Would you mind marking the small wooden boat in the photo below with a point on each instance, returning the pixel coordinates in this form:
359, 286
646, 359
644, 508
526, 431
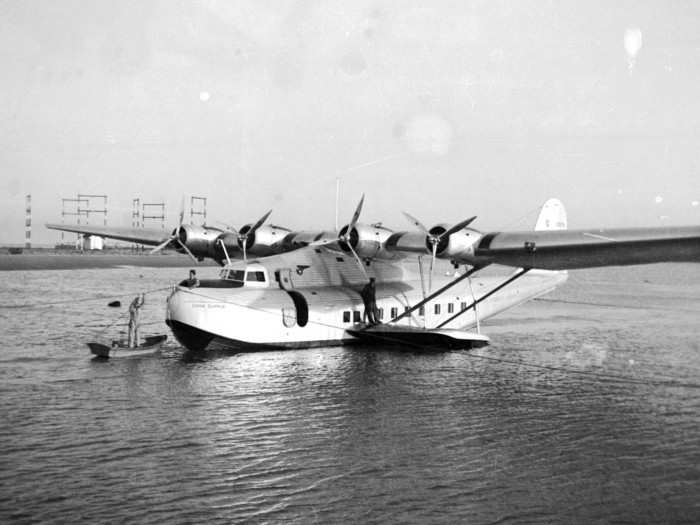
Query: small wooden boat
151, 345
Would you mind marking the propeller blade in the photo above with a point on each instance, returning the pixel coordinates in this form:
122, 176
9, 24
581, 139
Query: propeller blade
359, 261
257, 225
161, 245
187, 250
416, 222
182, 212
457, 227
430, 274
356, 215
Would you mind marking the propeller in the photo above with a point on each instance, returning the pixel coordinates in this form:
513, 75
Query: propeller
176, 236
345, 237
245, 235
434, 239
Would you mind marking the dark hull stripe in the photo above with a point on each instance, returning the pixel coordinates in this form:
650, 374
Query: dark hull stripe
196, 339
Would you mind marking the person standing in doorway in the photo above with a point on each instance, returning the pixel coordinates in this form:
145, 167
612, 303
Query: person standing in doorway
369, 297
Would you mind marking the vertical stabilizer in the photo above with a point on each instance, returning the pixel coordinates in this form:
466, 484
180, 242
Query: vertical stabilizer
552, 216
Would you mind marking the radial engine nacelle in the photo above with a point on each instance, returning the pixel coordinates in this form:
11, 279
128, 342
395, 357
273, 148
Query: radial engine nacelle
198, 239
459, 246
368, 241
230, 247
264, 241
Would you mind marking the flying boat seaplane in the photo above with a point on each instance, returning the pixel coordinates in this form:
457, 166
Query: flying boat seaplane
430, 288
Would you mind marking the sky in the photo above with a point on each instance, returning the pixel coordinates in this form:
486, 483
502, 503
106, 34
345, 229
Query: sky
443, 109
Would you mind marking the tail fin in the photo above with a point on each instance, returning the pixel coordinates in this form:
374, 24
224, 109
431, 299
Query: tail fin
552, 216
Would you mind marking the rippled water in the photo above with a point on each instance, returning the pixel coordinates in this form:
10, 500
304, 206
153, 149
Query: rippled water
508, 433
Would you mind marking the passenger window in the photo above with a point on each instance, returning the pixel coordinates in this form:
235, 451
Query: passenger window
450, 308
346, 316
356, 317
437, 309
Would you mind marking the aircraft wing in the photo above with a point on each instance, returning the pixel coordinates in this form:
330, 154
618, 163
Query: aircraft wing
571, 249
149, 236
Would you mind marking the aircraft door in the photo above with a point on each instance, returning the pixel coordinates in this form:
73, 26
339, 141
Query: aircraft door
300, 314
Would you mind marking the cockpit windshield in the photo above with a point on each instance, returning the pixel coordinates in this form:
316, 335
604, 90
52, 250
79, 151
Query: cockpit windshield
238, 278
236, 275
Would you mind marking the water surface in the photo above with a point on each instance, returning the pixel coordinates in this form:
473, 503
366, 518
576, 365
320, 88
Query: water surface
509, 433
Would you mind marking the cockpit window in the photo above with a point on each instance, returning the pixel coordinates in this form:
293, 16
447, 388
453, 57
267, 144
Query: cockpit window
235, 275
238, 277
256, 277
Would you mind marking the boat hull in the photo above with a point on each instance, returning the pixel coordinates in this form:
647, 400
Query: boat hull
150, 346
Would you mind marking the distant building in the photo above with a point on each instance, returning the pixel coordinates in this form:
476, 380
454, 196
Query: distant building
95, 243
90, 242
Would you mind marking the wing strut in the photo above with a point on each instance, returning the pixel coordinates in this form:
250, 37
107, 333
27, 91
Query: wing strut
519, 274
223, 247
438, 292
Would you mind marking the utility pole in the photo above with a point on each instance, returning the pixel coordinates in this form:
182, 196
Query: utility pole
88, 209
200, 209
28, 223
71, 204
157, 214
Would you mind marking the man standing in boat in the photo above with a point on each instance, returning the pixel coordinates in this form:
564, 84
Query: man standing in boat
134, 313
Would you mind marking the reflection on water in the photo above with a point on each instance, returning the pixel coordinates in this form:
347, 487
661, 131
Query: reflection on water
355, 434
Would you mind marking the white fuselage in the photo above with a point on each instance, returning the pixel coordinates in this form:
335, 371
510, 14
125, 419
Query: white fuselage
311, 297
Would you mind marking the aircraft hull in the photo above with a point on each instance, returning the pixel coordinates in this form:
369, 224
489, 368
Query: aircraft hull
240, 319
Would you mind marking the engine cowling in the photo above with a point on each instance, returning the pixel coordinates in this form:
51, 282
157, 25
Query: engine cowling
459, 246
198, 239
230, 241
367, 241
263, 241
